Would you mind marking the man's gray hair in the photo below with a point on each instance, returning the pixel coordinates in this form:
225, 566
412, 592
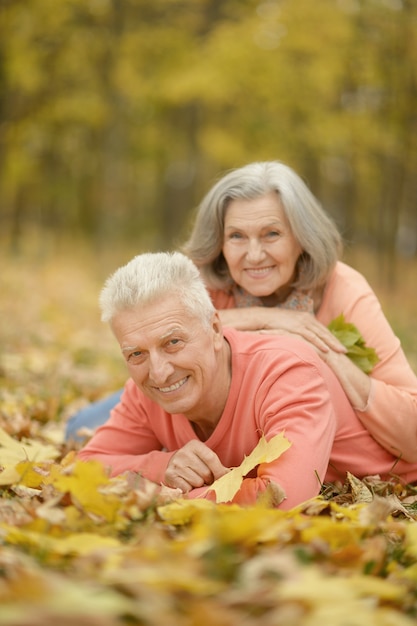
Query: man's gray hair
151, 276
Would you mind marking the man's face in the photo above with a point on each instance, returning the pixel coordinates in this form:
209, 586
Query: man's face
170, 355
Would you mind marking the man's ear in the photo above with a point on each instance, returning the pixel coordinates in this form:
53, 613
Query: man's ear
217, 328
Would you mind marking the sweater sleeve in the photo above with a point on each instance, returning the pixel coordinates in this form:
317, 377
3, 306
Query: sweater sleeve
391, 413
126, 442
300, 403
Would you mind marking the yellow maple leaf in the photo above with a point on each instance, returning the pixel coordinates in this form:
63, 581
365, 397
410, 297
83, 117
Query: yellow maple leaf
182, 512
411, 540
330, 531
73, 544
83, 481
265, 451
13, 452
32, 474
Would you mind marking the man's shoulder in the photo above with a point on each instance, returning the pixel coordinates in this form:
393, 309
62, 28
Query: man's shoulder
261, 345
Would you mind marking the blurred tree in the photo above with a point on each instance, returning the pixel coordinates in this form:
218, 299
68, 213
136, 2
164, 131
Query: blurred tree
380, 100
117, 115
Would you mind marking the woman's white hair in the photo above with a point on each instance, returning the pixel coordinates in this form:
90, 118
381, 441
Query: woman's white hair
152, 276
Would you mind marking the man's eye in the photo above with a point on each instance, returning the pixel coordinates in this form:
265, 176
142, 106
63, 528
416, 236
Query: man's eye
174, 343
135, 356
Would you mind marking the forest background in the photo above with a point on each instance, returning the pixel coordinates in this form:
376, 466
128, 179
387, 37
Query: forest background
116, 116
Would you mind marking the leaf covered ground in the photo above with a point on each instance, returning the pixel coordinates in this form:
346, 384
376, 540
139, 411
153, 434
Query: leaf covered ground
79, 548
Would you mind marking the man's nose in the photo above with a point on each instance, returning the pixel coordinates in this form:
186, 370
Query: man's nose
255, 250
159, 368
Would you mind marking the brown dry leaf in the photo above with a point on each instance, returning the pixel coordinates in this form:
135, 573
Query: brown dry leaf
380, 508
51, 512
360, 492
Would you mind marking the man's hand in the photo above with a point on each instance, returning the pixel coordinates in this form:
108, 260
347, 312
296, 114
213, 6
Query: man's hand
194, 465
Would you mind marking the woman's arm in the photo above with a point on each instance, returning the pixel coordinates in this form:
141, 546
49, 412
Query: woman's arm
386, 403
273, 320
356, 384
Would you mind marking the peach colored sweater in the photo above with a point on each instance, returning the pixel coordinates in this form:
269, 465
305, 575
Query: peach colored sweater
391, 413
278, 384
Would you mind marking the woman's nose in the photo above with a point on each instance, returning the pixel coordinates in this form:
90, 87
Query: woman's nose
255, 250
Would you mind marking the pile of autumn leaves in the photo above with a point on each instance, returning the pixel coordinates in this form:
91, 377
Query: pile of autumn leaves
80, 548
77, 545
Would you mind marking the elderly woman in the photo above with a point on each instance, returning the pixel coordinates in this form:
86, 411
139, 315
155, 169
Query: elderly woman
269, 256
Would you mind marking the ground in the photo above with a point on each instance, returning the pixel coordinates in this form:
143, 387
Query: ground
78, 548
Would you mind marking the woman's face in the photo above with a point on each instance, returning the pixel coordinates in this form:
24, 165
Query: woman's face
259, 247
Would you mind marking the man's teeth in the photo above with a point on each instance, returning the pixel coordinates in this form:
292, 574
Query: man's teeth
174, 386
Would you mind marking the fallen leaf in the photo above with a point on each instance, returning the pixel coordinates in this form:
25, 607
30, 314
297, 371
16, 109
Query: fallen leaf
84, 483
360, 492
13, 451
265, 451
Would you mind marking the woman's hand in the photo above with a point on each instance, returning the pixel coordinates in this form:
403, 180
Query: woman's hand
276, 321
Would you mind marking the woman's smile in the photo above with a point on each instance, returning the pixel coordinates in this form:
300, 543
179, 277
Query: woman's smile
259, 272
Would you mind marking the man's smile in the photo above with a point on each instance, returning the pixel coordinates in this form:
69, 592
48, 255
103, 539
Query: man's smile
174, 386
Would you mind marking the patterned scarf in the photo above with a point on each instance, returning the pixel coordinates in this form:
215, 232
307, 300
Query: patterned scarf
297, 300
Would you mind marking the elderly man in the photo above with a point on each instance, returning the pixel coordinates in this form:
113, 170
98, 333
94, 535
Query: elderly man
199, 398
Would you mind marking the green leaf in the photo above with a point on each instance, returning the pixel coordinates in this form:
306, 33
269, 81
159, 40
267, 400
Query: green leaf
362, 355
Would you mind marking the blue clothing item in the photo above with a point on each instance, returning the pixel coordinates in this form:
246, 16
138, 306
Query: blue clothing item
91, 416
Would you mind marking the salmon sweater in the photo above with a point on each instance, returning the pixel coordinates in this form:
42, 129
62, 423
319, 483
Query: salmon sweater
279, 384
391, 413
